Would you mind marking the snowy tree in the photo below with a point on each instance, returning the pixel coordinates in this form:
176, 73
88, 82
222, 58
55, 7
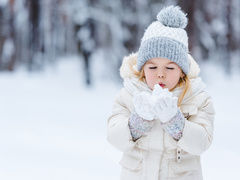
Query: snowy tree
213, 30
34, 33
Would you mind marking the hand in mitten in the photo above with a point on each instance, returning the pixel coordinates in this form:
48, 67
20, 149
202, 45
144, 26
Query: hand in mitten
165, 105
170, 115
143, 105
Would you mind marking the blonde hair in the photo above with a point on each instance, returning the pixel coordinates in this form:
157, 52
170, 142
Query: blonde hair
183, 82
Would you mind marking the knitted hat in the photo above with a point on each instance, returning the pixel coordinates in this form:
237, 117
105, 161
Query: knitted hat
166, 38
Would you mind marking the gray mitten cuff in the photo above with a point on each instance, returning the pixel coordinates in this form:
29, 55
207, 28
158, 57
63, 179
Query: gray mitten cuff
175, 126
138, 126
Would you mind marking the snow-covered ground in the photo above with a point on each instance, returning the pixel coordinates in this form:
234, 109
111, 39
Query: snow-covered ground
54, 128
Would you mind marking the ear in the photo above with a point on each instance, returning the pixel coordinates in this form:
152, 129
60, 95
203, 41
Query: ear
183, 75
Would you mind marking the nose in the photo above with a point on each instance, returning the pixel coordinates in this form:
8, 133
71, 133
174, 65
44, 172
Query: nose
161, 75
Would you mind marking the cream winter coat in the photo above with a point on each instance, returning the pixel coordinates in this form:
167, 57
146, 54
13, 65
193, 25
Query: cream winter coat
156, 155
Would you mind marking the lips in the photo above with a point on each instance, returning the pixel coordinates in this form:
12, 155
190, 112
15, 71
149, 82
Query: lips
161, 84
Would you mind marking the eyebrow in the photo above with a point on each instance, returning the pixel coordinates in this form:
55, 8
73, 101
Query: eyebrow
155, 63
150, 62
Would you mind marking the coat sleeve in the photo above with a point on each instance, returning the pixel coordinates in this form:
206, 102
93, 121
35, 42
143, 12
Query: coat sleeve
198, 131
118, 133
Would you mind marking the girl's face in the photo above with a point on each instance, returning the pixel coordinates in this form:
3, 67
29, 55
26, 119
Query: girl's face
162, 71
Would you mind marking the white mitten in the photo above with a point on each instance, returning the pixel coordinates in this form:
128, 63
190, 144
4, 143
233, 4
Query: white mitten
143, 105
165, 105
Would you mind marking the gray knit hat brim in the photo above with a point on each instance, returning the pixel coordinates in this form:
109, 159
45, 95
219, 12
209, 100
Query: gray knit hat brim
162, 47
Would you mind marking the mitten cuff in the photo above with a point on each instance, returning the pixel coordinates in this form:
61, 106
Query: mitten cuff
138, 126
175, 126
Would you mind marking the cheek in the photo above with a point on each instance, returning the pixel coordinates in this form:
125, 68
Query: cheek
175, 77
149, 77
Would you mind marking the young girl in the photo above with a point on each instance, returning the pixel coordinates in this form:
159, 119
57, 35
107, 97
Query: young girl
162, 119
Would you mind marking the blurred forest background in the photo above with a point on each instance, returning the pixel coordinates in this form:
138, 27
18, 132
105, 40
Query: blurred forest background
35, 33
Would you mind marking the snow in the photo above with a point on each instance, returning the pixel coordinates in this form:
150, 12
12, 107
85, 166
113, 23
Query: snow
53, 127
222, 160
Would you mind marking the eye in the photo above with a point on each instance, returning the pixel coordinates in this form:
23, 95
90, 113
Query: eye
171, 68
152, 67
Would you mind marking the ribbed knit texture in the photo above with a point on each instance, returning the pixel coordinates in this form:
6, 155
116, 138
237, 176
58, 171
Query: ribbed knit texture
166, 38
164, 48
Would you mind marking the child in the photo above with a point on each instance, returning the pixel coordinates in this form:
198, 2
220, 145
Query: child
162, 119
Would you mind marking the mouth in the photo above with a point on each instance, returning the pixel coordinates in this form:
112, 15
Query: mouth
161, 84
